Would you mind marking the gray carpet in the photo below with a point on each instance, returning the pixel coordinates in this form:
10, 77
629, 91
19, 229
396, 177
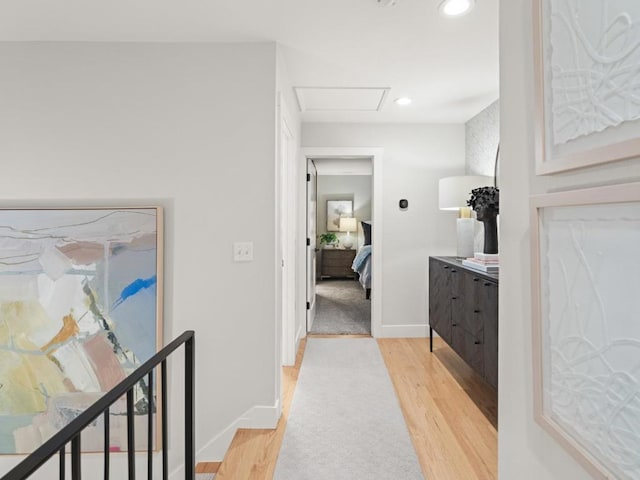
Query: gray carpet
345, 421
341, 308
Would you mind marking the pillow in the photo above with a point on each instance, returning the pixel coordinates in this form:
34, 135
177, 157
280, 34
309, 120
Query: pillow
366, 229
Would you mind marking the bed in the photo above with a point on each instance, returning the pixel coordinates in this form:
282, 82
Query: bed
362, 263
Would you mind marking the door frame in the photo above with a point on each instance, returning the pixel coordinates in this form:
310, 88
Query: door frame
311, 244
376, 156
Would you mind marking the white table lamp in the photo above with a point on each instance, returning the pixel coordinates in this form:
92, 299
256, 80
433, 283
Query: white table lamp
348, 224
453, 193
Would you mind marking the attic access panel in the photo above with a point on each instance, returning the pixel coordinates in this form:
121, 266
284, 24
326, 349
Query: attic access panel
356, 99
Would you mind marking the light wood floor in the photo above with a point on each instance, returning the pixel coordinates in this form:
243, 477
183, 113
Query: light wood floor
454, 436
450, 412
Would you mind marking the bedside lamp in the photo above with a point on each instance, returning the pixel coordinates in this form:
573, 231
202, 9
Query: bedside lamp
453, 193
348, 224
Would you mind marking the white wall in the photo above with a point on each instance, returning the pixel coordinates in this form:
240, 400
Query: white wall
356, 188
415, 157
187, 126
525, 450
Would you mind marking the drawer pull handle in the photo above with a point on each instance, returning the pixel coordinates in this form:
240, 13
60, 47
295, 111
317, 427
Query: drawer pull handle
445, 267
476, 311
453, 270
454, 298
487, 284
476, 279
454, 324
477, 342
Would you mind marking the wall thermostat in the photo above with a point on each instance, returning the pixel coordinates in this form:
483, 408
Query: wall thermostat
404, 204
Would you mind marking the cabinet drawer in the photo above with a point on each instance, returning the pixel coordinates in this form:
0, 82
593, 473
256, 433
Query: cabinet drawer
470, 348
489, 307
337, 261
335, 255
472, 323
440, 298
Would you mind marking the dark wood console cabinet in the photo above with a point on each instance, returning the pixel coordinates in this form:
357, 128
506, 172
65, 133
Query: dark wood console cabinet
463, 310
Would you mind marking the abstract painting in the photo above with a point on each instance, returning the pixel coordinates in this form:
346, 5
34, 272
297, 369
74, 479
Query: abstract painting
80, 309
335, 210
587, 334
588, 82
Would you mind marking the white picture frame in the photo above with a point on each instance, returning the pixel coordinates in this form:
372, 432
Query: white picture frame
586, 80
335, 210
586, 337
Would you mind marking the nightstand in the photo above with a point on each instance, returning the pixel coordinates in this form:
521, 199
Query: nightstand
337, 263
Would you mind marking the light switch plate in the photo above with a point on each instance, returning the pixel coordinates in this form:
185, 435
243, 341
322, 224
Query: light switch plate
243, 252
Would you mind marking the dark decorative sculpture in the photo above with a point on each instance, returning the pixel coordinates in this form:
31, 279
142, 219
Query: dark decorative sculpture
486, 203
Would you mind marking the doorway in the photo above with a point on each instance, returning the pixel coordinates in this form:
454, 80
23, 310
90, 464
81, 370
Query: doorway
373, 158
343, 257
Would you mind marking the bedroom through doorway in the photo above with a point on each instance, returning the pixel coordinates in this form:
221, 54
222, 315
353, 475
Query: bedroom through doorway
343, 227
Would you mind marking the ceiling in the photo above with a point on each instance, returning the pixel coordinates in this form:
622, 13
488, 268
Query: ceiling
448, 67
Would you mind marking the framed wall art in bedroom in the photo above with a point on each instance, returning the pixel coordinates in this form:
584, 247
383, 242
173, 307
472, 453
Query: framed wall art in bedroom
335, 210
80, 309
587, 82
586, 334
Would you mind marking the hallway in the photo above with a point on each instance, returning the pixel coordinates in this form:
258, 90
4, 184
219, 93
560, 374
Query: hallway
342, 309
450, 412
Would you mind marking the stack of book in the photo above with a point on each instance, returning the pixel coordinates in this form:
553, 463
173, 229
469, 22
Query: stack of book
483, 262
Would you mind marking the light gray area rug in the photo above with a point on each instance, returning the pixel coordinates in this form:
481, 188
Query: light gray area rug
345, 420
341, 308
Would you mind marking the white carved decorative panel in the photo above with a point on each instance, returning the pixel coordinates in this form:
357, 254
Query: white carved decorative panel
595, 66
587, 297
588, 82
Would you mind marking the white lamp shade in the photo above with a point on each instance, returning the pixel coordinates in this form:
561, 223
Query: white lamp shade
453, 192
348, 224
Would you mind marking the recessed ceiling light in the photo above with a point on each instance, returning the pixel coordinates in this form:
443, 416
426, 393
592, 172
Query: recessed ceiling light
403, 101
456, 8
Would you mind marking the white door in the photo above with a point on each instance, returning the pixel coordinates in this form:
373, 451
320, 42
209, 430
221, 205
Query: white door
312, 202
287, 214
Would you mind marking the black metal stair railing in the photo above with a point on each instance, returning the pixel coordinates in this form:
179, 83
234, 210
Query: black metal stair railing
71, 433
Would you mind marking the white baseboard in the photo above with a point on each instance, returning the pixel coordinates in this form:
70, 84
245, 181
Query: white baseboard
404, 331
300, 335
259, 417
